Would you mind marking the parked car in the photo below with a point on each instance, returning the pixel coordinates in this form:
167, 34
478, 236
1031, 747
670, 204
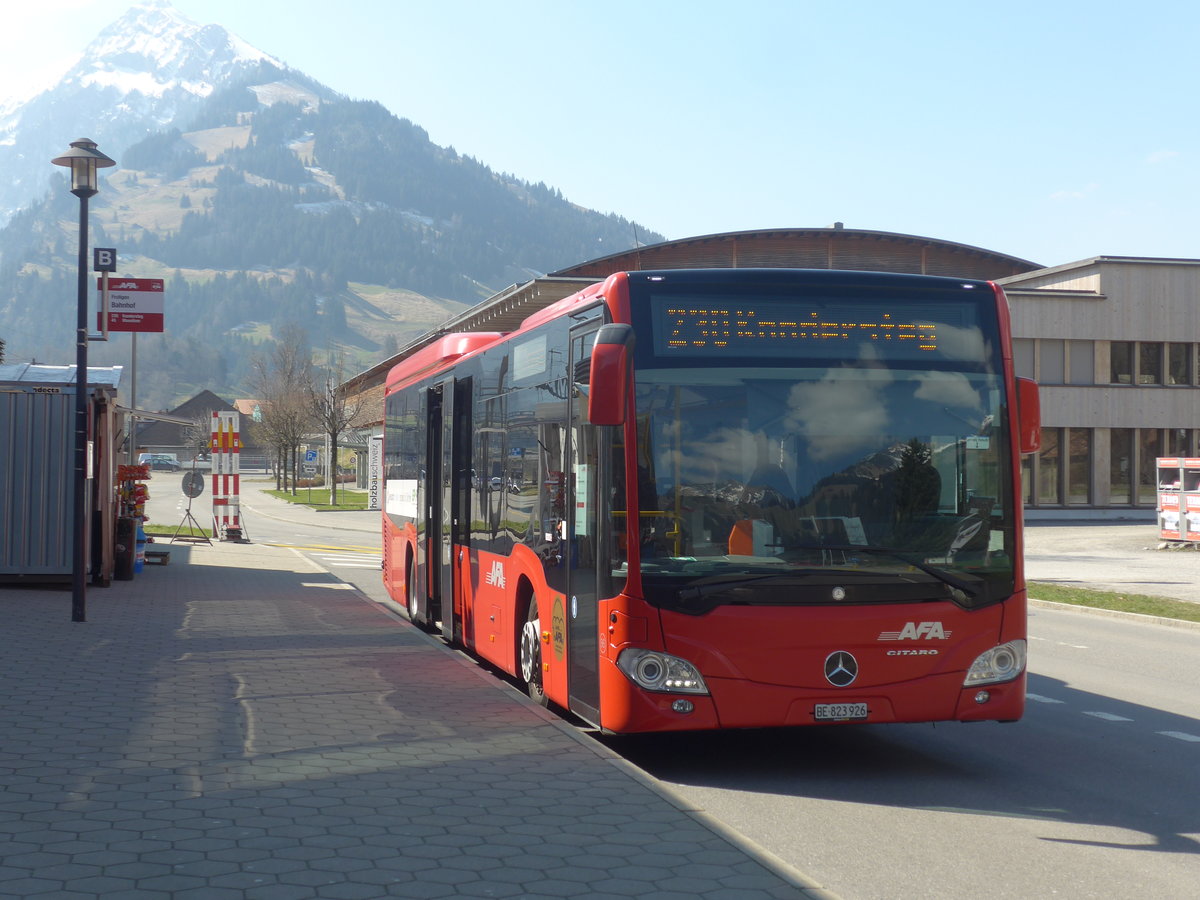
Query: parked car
159, 462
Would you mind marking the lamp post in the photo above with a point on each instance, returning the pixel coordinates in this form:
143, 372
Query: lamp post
83, 159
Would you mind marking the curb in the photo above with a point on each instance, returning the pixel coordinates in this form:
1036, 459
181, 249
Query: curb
1116, 614
258, 511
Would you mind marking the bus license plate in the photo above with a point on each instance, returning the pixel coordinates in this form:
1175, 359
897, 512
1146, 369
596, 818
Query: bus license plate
839, 712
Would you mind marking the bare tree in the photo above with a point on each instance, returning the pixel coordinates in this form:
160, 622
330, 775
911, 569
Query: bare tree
197, 435
334, 412
283, 381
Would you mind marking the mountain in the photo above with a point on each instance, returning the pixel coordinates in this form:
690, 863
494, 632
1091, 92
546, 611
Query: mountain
262, 200
151, 68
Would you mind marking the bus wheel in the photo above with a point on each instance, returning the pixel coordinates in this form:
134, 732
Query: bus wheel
410, 597
531, 656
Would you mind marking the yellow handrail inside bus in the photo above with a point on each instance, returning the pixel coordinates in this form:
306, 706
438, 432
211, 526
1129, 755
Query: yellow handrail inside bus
675, 535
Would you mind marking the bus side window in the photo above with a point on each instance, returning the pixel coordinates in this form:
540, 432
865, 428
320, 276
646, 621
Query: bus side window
553, 512
619, 520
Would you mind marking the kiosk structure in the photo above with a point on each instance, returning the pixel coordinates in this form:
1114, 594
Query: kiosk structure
1178, 498
37, 503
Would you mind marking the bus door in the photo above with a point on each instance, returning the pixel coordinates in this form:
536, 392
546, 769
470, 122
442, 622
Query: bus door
448, 494
456, 504
583, 523
429, 528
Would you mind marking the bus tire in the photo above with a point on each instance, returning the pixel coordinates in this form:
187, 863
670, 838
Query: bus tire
530, 656
410, 597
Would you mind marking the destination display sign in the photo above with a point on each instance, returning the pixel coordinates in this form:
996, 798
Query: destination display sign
795, 328
134, 304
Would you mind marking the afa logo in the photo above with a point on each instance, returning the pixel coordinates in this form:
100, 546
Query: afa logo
495, 576
916, 631
558, 628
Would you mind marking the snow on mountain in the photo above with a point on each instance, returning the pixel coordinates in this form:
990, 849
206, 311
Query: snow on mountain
286, 92
147, 70
154, 50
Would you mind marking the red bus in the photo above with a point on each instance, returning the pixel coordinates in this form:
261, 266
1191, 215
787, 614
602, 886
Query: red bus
704, 499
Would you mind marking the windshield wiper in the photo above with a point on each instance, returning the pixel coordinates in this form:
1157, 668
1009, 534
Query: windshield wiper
705, 588
963, 587
719, 584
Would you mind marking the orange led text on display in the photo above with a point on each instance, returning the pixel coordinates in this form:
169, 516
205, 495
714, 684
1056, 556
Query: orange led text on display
696, 327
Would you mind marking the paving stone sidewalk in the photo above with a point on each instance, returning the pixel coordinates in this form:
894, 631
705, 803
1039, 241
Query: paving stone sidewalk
239, 724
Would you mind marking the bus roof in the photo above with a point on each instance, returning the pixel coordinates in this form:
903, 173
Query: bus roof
779, 275
442, 351
556, 309
772, 275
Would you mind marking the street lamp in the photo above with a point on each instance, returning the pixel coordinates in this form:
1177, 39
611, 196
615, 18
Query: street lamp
83, 159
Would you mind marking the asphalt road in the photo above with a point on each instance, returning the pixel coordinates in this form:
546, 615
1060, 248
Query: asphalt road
1111, 556
1091, 795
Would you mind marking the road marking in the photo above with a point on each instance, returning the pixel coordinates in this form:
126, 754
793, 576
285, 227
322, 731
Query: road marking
352, 562
1112, 717
1059, 643
326, 547
1180, 736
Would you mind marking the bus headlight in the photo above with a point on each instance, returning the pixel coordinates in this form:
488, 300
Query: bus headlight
656, 671
1002, 663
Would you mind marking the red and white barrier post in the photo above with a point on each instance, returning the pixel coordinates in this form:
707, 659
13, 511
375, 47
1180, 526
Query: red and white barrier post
226, 451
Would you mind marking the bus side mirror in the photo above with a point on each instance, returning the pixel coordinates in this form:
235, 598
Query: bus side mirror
1029, 415
609, 377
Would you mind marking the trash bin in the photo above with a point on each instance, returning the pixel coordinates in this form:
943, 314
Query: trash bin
125, 549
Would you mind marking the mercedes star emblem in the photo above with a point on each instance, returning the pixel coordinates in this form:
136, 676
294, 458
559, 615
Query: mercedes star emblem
840, 668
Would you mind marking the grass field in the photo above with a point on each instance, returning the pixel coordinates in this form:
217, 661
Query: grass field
1134, 603
318, 498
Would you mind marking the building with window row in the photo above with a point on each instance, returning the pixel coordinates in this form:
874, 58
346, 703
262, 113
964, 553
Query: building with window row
1114, 342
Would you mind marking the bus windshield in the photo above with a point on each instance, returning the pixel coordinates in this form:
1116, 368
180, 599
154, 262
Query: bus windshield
869, 480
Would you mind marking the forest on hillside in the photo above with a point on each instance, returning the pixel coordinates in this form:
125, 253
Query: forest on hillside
288, 222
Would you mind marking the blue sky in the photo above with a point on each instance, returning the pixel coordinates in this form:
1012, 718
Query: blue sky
1051, 131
